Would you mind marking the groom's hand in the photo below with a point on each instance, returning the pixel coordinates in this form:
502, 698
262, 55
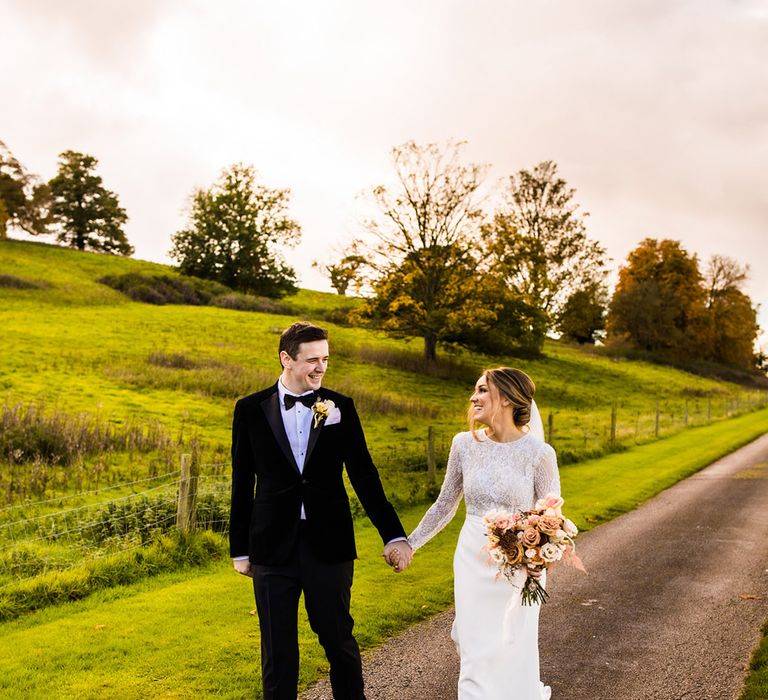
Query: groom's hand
242, 566
398, 555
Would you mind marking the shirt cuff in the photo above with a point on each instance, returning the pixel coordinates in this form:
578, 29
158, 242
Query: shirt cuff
240, 558
398, 539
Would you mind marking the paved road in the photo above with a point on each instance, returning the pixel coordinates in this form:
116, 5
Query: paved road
671, 609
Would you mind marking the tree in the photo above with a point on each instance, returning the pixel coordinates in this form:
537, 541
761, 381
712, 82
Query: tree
234, 231
723, 273
659, 301
582, 317
88, 216
731, 326
348, 270
423, 274
537, 241
24, 200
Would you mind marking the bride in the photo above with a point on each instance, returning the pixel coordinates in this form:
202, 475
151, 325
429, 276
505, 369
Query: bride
504, 466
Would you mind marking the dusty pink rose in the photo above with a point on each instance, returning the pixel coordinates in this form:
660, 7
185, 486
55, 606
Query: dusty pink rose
533, 519
502, 523
550, 501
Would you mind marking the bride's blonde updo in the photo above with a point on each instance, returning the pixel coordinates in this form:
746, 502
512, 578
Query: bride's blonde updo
515, 386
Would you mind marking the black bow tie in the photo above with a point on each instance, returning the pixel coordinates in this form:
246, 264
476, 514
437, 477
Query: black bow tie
290, 400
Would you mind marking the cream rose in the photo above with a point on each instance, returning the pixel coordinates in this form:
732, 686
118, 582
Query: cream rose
551, 552
570, 529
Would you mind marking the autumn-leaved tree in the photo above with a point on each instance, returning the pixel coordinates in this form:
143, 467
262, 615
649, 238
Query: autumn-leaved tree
538, 244
659, 301
346, 268
423, 274
235, 231
731, 320
88, 216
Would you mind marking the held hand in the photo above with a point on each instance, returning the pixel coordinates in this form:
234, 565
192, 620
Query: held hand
398, 555
242, 566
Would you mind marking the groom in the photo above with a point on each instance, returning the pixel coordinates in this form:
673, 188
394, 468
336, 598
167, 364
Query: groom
294, 532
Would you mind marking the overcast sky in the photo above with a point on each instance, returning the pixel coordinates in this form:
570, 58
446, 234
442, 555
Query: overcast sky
656, 112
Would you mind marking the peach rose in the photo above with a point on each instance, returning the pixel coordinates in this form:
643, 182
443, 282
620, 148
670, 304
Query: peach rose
514, 553
531, 536
550, 524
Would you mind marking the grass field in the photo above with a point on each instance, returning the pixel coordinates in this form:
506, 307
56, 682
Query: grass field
184, 635
82, 361
76, 346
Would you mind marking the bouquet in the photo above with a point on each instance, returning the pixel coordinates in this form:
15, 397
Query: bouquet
533, 539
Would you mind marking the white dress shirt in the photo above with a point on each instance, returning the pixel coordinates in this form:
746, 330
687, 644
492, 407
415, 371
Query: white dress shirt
298, 424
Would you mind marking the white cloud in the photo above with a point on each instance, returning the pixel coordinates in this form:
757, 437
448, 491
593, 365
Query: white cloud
656, 111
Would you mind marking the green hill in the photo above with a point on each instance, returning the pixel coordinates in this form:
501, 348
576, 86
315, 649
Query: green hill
100, 390
74, 346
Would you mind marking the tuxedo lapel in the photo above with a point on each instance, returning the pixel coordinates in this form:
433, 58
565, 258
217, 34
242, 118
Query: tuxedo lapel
271, 407
314, 434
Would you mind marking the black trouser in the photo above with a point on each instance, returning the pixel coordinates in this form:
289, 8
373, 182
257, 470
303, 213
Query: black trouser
327, 589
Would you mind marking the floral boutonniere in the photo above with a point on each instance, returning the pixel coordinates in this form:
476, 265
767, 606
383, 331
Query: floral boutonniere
321, 410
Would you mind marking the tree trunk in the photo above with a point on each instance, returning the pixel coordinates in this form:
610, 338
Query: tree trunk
430, 347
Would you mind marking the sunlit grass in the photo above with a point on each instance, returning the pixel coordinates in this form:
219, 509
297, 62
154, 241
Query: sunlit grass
183, 636
82, 347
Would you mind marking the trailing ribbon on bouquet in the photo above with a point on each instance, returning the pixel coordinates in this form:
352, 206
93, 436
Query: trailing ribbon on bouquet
514, 607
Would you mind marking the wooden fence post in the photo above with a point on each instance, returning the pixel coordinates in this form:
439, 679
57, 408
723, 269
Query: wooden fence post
550, 427
614, 411
709, 409
186, 508
431, 467
686, 411
656, 432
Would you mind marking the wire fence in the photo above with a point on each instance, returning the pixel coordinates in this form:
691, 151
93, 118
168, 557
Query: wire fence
40, 537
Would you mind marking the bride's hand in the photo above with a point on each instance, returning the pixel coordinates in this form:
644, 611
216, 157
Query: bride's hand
398, 555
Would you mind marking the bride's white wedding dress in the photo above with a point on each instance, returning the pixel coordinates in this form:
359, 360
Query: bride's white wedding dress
497, 662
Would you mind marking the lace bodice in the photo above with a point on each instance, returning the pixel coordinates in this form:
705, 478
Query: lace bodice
491, 476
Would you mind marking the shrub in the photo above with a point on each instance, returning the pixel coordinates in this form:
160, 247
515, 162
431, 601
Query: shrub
165, 289
12, 282
248, 302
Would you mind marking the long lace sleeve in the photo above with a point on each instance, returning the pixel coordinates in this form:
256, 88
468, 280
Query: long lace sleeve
546, 477
441, 512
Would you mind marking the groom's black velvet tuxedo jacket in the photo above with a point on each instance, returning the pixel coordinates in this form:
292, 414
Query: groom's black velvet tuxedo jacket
264, 524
